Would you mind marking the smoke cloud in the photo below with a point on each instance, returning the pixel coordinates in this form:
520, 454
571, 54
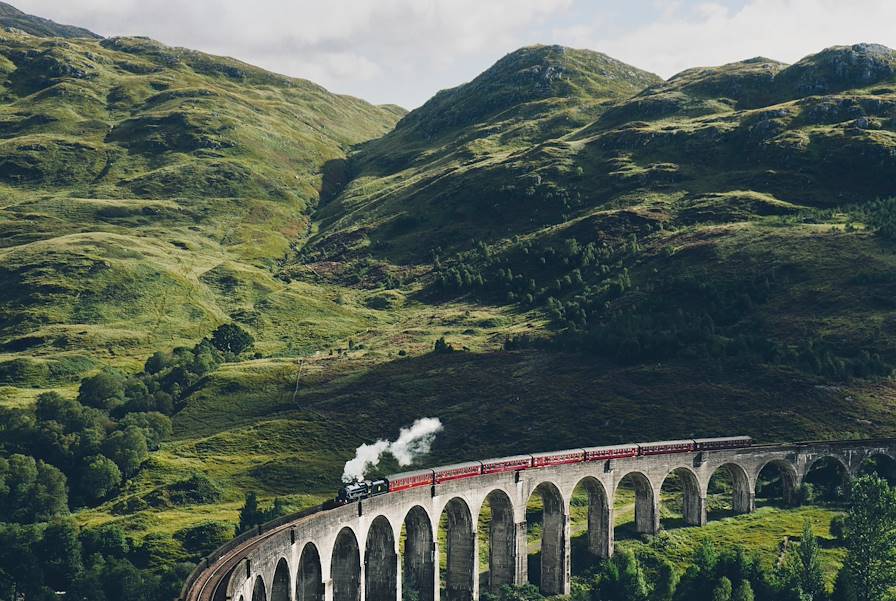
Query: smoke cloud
412, 442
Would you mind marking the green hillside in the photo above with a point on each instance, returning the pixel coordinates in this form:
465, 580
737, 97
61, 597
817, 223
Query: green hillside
728, 212
609, 255
148, 194
440, 178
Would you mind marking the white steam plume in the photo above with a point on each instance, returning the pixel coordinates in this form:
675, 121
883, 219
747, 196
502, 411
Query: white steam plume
410, 444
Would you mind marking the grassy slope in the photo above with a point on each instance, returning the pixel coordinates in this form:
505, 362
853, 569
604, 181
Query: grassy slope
195, 176
148, 193
417, 187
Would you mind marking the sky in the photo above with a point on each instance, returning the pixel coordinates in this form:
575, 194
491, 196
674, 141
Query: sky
404, 51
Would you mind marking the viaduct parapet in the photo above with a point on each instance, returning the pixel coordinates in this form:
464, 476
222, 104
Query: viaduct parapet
356, 552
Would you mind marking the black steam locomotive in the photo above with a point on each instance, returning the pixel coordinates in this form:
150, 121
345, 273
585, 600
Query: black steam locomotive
355, 491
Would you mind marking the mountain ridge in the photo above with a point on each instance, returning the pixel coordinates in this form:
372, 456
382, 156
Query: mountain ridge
739, 87
10, 16
528, 74
528, 97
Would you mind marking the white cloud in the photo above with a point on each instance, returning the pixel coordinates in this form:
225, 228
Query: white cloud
383, 50
712, 34
403, 51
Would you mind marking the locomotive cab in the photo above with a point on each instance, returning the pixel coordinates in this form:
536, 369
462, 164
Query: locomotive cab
356, 491
352, 492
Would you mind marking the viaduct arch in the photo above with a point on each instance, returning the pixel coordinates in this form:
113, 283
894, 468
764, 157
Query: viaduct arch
354, 552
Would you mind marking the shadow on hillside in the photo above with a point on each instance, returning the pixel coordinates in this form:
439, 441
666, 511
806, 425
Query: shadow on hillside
335, 176
504, 402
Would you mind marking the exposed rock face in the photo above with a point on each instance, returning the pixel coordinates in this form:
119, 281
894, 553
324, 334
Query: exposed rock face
528, 75
838, 68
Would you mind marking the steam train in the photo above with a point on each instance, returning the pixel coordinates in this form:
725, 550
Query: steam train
356, 491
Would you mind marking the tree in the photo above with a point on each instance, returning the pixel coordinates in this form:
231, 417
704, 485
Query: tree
802, 573
722, 592
525, 592
205, 358
155, 426
442, 346
156, 363
121, 580
52, 406
100, 477
743, 591
205, 537
127, 448
60, 554
105, 540
249, 514
31, 490
277, 509
20, 570
49, 497
230, 338
838, 527
622, 579
701, 577
666, 581
843, 588
103, 391
871, 538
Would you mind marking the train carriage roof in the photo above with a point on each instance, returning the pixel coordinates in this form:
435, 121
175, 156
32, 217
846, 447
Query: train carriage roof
722, 439
506, 459
457, 466
553, 453
612, 447
412, 474
661, 443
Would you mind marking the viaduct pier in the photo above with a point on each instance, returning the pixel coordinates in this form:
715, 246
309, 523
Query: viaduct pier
353, 552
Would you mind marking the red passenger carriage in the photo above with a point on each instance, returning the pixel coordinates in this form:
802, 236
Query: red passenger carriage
666, 446
506, 464
407, 480
558, 458
612, 452
731, 442
446, 473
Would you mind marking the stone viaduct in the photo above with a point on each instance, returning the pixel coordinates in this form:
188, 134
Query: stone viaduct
356, 552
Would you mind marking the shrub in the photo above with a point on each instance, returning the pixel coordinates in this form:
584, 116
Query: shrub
100, 477
205, 537
195, 490
838, 527
230, 338
442, 346
127, 448
103, 391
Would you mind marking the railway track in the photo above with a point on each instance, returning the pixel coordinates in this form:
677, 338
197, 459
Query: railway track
203, 583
